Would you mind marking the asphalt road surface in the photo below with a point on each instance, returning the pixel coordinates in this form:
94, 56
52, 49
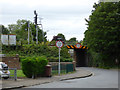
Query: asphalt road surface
101, 78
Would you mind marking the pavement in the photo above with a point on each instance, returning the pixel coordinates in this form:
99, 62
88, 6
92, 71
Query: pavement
26, 82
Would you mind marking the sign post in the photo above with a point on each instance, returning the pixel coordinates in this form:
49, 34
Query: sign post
59, 44
59, 63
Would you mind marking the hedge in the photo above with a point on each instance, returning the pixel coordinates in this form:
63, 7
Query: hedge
34, 50
56, 59
34, 66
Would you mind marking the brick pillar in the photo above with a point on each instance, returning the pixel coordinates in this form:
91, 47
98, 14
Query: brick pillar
74, 56
74, 65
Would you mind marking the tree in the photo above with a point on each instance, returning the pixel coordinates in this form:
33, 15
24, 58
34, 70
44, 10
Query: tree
21, 31
62, 36
73, 39
3, 30
103, 32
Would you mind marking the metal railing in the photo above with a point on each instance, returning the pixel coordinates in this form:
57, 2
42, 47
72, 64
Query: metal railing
64, 68
13, 73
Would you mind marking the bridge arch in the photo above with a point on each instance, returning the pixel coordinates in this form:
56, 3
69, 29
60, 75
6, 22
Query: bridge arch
79, 55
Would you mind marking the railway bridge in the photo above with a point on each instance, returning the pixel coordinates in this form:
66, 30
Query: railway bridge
79, 54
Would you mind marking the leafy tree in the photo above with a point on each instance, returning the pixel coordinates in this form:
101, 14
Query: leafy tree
103, 33
3, 30
73, 39
62, 36
21, 31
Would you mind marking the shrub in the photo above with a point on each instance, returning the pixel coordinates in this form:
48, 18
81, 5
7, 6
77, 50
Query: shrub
67, 60
62, 59
34, 66
35, 50
53, 59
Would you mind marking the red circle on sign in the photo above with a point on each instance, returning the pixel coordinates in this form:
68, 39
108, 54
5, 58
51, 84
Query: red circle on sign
59, 44
78, 45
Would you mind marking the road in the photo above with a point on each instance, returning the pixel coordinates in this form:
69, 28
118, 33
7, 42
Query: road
101, 78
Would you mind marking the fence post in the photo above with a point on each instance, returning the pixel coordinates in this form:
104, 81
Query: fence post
15, 74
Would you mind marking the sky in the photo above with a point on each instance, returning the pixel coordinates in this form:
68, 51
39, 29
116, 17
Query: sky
57, 16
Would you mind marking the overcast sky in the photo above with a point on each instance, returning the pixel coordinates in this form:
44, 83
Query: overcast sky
59, 16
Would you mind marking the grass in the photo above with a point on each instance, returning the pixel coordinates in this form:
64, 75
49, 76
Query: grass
19, 73
54, 72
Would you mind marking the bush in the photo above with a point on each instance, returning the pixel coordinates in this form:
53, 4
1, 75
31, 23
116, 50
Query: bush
34, 66
68, 60
62, 59
53, 59
35, 50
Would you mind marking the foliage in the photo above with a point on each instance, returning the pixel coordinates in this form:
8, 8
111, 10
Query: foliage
62, 36
53, 43
3, 30
56, 59
64, 52
36, 50
19, 73
21, 31
73, 39
103, 33
34, 66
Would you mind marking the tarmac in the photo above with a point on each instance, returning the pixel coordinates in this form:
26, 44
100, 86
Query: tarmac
26, 82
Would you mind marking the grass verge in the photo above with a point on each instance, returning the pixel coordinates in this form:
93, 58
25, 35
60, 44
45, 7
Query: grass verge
19, 73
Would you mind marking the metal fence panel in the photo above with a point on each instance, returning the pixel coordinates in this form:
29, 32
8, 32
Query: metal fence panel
69, 68
64, 68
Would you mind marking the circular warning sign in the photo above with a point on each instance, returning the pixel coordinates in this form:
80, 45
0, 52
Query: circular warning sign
59, 44
78, 45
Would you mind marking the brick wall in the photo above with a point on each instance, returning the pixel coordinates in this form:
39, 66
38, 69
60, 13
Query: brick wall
12, 62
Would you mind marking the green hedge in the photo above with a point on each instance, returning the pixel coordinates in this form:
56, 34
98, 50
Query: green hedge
34, 50
34, 66
62, 59
101, 61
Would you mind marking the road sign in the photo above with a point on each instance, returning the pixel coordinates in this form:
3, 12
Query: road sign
59, 44
78, 45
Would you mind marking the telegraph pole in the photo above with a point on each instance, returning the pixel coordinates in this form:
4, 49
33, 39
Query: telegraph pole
41, 28
28, 32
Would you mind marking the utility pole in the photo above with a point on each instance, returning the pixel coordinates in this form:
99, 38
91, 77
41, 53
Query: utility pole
28, 32
36, 26
41, 28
